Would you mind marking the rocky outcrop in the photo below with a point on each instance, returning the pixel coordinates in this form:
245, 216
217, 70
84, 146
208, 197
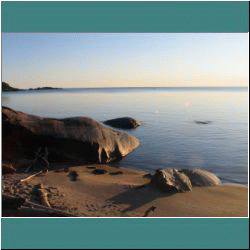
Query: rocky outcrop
171, 179
76, 138
123, 122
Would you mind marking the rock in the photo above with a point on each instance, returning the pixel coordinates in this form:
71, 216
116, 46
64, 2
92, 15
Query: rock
171, 179
201, 177
73, 175
123, 122
203, 122
91, 167
148, 176
116, 173
76, 138
99, 171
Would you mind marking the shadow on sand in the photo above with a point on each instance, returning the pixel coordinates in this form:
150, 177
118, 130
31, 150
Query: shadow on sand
139, 196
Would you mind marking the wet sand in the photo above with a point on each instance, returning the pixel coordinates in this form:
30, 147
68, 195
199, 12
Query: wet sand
122, 192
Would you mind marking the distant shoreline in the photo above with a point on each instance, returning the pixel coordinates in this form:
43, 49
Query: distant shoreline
7, 88
146, 87
43, 88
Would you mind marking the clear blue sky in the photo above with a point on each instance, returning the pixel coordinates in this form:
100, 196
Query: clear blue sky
124, 59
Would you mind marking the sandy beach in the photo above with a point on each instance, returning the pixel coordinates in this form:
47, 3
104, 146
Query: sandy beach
105, 191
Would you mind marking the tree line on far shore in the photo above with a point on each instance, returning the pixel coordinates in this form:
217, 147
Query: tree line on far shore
7, 87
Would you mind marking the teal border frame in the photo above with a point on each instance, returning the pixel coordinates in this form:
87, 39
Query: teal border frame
125, 233
110, 233
125, 16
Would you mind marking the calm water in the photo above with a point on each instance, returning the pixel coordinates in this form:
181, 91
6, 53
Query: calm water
169, 135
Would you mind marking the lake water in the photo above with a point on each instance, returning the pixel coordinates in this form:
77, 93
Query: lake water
170, 135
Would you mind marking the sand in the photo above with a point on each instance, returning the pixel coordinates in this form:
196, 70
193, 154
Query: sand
122, 192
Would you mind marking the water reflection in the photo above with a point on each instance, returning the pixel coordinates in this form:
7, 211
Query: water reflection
6, 100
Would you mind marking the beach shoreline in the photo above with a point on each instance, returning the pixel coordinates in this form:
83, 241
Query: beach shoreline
101, 190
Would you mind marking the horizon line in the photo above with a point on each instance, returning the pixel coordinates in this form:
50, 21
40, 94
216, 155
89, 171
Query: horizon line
133, 87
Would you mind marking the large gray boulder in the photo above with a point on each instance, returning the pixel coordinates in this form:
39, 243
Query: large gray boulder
76, 138
201, 177
123, 122
170, 179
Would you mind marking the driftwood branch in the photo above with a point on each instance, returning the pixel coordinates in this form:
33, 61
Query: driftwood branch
31, 176
151, 209
37, 206
17, 206
39, 194
39, 155
34, 205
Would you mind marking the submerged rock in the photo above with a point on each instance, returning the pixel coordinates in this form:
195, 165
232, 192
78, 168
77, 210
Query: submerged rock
201, 177
203, 122
75, 138
171, 179
123, 122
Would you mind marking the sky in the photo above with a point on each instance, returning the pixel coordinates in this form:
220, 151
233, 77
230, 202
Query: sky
88, 60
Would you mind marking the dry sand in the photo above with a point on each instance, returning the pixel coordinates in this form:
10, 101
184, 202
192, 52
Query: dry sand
128, 193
